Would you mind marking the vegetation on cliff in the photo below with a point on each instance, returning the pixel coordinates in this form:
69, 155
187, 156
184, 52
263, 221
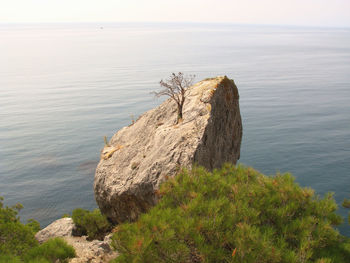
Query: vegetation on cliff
90, 223
346, 204
176, 88
234, 214
18, 244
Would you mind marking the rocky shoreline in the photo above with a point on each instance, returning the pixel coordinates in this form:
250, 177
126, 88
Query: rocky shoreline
94, 251
141, 156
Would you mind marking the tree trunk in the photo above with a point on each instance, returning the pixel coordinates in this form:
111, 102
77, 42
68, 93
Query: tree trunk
179, 112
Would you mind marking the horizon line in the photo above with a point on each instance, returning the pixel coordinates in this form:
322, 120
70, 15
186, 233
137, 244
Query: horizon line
175, 22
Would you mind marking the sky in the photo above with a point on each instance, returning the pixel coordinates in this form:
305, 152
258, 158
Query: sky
330, 13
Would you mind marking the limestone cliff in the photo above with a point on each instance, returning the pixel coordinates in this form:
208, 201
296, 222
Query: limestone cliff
141, 156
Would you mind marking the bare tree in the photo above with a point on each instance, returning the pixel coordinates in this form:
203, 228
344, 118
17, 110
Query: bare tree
175, 87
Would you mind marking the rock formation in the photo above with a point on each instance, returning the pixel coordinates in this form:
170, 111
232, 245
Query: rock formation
94, 251
141, 156
60, 228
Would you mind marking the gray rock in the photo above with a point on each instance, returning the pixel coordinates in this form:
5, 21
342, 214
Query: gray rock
141, 156
60, 228
94, 251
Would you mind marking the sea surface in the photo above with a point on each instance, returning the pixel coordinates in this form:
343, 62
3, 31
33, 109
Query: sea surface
65, 86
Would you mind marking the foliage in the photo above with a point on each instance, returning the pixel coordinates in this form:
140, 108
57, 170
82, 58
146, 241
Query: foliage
51, 251
106, 141
91, 223
18, 244
234, 214
33, 225
7, 258
15, 238
346, 204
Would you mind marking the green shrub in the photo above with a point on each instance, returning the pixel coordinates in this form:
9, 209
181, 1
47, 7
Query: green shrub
18, 244
15, 238
346, 204
234, 215
33, 225
52, 250
93, 224
66, 215
5, 258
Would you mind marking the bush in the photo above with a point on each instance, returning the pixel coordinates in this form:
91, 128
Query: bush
346, 204
52, 250
18, 243
33, 225
93, 224
9, 259
234, 215
15, 238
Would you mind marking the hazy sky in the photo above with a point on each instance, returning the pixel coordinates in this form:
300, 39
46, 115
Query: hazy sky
292, 12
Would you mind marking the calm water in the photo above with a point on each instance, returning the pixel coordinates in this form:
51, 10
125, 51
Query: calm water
63, 87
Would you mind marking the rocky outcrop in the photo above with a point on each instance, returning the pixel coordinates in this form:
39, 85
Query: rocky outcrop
60, 228
141, 156
94, 251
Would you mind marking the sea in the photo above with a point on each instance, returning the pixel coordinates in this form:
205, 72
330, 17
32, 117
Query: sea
63, 87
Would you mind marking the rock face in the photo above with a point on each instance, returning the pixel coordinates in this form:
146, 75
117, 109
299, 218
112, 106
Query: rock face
60, 228
141, 156
94, 251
